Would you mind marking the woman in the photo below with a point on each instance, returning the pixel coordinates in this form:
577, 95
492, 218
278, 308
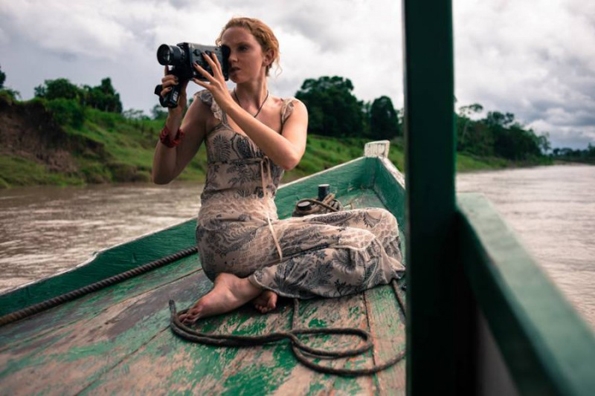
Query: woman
251, 138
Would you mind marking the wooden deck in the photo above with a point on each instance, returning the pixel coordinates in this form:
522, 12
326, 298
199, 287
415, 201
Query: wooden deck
118, 341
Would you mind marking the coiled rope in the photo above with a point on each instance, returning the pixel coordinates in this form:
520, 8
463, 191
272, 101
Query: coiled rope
52, 302
299, 348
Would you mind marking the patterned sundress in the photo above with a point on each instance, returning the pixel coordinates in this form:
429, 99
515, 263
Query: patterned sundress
239, 232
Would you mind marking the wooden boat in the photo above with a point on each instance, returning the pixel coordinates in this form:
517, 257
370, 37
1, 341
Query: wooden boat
104, 327
482, 317
117, 339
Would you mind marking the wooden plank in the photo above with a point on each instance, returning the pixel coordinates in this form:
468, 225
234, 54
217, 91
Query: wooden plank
79, 352
389, 185
548, 348
181, 366
47, 321
387, 326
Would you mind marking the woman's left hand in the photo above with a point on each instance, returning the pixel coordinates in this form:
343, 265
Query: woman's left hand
215, 83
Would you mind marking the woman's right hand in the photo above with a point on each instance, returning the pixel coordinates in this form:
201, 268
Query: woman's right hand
167, 84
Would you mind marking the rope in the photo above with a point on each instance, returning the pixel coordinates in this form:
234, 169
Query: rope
299, 348
52, 302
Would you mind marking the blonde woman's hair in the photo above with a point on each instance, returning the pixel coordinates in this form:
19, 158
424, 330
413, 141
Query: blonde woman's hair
261, 31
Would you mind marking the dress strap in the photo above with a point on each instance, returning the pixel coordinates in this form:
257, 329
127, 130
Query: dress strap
287, 109
267, 162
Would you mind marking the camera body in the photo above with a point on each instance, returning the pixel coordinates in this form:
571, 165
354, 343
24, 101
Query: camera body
181, 58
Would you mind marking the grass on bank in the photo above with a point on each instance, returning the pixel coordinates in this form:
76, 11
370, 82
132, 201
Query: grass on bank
118, 149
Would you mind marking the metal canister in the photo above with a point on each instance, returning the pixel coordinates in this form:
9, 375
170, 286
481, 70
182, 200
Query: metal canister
323, 191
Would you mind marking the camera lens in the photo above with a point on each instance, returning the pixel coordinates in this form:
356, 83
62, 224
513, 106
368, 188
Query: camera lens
169, 54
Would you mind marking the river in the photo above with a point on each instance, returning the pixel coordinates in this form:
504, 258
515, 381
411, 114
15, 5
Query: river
46, 230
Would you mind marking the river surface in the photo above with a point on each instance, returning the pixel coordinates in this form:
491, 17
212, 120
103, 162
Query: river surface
46, 230
552, 211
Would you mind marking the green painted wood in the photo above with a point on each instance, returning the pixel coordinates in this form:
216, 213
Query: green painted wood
68, 359
547, 347
187, 367
114, 349
352, 176
389, 185
38, 326
435, 363
387, 326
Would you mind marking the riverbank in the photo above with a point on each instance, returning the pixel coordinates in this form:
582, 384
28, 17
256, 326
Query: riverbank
39, 148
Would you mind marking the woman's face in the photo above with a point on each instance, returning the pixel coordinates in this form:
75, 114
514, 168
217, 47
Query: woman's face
247, 61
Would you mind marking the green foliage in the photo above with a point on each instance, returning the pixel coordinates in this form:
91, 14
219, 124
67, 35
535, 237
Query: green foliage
17, 171
159, 113
384, 123
568, 154
2, 78
6, 97
109, 145
67, 112
497, 135
334, 110
103, 97
9, 95
60, 88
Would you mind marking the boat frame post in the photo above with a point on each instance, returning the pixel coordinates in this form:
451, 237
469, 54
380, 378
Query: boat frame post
439, 310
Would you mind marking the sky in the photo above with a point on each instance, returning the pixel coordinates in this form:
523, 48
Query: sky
533, 59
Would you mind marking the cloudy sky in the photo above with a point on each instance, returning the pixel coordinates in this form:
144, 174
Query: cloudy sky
534, 59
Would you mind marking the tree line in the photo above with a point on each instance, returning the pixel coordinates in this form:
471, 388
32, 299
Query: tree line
575, 155
334, 111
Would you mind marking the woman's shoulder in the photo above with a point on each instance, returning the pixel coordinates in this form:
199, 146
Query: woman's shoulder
287, 106
206, 97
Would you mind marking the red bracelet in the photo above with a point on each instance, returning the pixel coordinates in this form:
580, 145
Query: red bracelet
165, 137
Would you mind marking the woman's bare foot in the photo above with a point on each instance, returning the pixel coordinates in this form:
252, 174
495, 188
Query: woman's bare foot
266, 301
228, 293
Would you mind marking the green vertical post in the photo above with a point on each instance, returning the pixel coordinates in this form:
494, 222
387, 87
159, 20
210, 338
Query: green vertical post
434, 329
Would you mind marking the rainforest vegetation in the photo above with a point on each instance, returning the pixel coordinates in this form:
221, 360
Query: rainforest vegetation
69, 134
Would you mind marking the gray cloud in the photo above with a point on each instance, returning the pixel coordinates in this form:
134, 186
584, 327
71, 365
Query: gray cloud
536, 59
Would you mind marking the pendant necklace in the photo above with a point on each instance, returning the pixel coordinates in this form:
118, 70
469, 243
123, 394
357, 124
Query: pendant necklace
261, 105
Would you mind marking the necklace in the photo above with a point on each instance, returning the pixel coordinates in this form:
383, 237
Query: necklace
261, 105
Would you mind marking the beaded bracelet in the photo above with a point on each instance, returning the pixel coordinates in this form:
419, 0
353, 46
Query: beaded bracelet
165, 137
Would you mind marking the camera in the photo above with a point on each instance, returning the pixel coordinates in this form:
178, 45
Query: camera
180, 58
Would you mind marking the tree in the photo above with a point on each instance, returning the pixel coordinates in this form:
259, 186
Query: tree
60, 88
497, 119
334, 110
464, 124
544, 143
2, 78
158, 112
5, 90
103, 97
134, 114
384, 123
